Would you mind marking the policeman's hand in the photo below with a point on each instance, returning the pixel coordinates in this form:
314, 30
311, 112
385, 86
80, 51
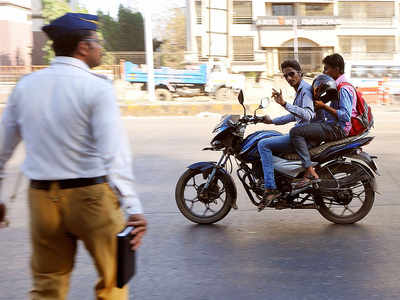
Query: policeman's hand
3, 220
139, 222
319, 105
277, 96
267, 119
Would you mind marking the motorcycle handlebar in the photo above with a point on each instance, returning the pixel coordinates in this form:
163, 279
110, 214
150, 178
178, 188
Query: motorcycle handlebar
251, 119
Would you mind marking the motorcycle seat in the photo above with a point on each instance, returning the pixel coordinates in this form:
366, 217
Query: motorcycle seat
319, 149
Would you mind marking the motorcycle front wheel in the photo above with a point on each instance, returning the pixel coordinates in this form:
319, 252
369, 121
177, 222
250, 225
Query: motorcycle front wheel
199, 205
353, 201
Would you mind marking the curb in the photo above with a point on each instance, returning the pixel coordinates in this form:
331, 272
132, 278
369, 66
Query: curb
183, 109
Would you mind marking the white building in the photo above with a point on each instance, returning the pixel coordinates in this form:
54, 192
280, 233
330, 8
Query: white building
15, 32
39, 37
255, 36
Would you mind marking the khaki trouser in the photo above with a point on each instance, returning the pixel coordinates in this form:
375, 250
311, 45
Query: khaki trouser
60, 217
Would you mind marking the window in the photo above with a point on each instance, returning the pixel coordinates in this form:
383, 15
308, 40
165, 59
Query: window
242, 12
359, 10
198, 42
365, 45
345, 44
375, 71
380, 44
243, 48
282, 9
198, 11
318, 9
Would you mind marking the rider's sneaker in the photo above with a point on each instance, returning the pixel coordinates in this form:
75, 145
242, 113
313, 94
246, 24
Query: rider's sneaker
268, 197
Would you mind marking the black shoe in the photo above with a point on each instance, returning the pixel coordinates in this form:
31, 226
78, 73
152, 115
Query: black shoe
268, 197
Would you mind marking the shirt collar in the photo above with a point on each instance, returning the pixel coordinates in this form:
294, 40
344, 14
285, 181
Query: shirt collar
301, 85
341, 79
72, 61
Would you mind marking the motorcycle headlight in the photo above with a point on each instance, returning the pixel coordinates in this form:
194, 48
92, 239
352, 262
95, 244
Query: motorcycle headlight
217, 144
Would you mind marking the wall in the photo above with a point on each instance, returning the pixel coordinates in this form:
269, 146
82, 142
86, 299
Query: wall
16, 33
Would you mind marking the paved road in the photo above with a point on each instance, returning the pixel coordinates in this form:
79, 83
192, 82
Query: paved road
248, 255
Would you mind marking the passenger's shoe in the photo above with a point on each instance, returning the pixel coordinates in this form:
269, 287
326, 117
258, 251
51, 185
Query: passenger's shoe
268, 197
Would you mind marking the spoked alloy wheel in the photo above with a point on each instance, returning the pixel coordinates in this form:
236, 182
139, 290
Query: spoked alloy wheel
200, 205
355, 198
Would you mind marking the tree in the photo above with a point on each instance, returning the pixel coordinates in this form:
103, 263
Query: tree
124, 34
110, 31
53, 9
131, 29
174, 44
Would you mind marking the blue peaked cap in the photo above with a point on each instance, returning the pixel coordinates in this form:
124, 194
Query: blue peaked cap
70, 22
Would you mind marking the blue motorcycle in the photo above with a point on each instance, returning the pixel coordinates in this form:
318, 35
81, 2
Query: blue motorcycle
206, 192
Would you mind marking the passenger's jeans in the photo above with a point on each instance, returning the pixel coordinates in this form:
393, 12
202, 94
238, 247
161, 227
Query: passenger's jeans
313, 133
277, 144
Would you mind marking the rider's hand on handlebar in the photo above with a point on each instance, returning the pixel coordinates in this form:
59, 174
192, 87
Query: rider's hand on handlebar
267, 119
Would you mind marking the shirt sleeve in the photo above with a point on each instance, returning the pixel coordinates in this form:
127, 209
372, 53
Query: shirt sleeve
9, 131
305, 108
345, 105
284, 119
305, 113
113, 145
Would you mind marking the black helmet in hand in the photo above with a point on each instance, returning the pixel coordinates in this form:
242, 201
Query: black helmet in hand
324, 88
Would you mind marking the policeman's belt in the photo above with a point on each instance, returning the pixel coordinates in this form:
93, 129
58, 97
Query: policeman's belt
67, 183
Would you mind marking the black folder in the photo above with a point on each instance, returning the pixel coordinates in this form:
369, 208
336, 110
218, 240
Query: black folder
126, 257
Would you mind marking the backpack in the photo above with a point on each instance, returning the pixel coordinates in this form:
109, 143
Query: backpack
364, 119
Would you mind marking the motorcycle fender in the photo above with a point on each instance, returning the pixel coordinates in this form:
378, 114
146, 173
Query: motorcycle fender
367, 159
365, 166
369, 164
206, 166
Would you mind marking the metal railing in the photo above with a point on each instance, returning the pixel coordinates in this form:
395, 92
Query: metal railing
374, 56
243, 56
301, 20
243, 20
366, 22
11, 74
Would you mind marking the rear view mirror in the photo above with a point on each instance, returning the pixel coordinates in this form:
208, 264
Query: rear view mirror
241, 97
264, 102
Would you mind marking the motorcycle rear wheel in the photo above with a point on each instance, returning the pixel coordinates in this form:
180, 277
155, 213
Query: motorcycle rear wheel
357, 199
218, 200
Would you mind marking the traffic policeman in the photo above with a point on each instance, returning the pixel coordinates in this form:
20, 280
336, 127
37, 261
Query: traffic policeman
78, 161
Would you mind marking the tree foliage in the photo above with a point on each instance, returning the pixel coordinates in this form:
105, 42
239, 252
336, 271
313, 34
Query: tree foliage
52, 9
174, 43
124, 34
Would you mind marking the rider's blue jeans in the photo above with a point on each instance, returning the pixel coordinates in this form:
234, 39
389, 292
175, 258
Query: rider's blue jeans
313, 133
277, 144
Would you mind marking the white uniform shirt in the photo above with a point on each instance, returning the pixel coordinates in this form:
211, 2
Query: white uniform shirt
70, 123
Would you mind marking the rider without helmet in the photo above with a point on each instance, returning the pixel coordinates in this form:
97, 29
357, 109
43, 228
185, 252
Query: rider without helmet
324, 88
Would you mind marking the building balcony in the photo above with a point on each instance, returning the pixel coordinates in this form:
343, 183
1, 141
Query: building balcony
242, 20
367, 22
373, 56
243, 56
301, 21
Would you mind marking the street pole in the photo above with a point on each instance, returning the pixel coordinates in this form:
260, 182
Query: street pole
295, 40
149, 50
74, 5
